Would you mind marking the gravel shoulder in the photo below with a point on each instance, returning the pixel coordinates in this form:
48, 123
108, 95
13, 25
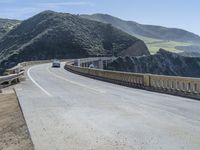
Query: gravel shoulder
14, 134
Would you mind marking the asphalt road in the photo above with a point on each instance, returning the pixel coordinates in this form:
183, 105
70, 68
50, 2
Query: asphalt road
65, 111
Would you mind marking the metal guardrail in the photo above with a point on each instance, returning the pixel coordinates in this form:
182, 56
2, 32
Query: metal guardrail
20, 66
182, 86
11, 79
16, 74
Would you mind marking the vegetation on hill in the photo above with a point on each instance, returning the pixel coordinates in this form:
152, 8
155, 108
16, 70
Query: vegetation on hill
59, 35
155, 37
6, 25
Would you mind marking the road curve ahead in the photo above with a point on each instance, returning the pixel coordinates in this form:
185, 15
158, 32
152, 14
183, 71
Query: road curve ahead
65, 111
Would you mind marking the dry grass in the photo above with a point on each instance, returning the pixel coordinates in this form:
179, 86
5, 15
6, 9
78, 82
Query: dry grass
14, 134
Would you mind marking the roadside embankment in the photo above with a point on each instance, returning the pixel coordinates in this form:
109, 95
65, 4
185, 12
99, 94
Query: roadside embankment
14, 134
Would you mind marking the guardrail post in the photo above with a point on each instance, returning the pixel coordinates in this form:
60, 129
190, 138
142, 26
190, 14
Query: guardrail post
100, 64
147, 80
198, 88
1, 87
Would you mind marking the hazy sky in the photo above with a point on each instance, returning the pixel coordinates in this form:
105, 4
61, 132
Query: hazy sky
183, 14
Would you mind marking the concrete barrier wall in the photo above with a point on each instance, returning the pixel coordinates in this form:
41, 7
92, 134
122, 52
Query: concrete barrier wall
182, 86
128, 79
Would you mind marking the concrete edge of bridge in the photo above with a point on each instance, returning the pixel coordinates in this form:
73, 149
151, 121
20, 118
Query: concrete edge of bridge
145, 84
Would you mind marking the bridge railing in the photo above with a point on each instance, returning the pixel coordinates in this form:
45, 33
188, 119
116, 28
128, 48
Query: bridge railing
182, 86
175, 84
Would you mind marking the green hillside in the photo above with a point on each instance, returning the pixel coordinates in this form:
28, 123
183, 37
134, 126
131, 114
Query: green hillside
155, 37
155, 44
6, 25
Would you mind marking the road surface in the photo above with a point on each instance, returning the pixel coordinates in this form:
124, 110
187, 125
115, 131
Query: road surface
65, 111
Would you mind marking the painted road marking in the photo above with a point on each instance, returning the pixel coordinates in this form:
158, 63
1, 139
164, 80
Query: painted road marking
73, 82
41, 88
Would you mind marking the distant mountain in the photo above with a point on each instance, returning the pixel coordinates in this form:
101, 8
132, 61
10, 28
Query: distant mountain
151, 31
6, 25
162, 63
192, 50
59, 35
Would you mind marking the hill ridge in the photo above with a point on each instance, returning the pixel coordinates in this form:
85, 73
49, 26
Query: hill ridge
49, 35
106, 18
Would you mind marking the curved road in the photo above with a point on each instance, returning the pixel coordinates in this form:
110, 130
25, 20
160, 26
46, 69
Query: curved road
65, 111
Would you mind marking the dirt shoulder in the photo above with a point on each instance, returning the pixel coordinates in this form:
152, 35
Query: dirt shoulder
14, 133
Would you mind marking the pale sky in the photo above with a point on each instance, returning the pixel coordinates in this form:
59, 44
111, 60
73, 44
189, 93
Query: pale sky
183, 14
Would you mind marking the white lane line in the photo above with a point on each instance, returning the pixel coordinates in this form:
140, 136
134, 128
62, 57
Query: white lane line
79, 84
41, 88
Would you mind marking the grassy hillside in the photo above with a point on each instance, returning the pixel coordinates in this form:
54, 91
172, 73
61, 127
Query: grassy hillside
59, 35
6, 25
169, 45
155, 37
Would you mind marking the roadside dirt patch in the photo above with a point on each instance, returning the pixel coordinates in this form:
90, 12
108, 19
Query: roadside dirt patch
14, 133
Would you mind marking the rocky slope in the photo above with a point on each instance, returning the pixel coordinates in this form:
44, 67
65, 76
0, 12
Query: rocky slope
151, 31
59, 35
6, 25
162, 63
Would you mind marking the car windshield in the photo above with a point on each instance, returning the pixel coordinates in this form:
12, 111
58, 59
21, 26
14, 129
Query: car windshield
56, 61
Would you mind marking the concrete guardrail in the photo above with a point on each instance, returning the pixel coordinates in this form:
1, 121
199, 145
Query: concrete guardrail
181, 86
